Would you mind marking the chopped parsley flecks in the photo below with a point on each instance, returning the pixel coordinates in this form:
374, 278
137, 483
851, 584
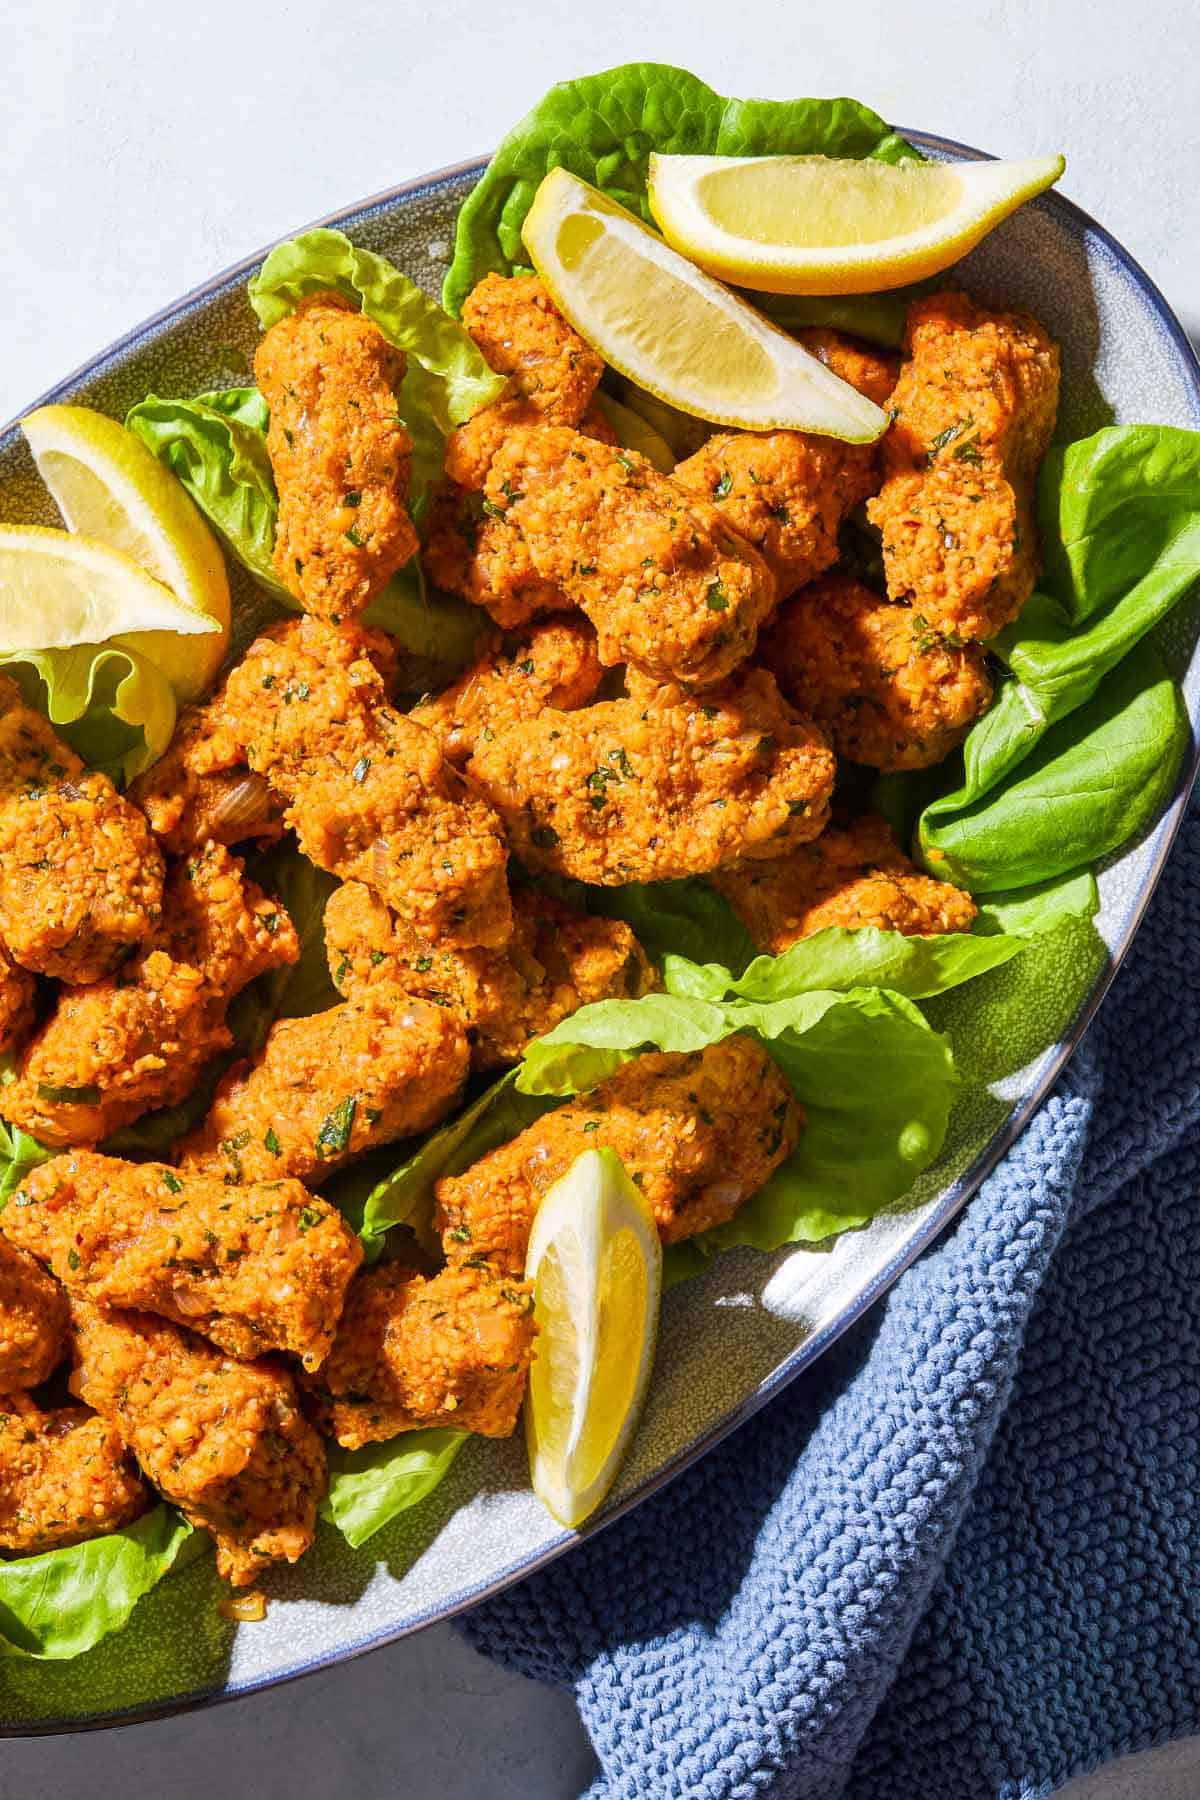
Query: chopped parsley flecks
88, 1095
946, 437
334, 1136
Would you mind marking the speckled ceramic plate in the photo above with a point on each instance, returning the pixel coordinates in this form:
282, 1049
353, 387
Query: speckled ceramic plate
733, 1338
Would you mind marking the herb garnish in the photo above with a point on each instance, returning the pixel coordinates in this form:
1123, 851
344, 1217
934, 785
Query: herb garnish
334, 1135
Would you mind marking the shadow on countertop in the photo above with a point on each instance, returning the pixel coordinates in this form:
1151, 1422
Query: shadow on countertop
424, 1719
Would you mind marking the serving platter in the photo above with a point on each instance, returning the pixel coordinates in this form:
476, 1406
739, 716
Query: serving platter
735, 1336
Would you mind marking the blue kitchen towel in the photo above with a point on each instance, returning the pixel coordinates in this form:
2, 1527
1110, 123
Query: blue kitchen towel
960, 1558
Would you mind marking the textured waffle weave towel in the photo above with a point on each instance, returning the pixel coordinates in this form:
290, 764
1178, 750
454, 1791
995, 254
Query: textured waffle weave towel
960, 1558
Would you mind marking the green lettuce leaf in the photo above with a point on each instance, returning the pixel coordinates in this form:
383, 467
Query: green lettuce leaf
369, 1487
603, 128
439, 632
875, 1080
217, 445
59, 1604
152, 1137
880, 318
422, 406
1036, 912
688, 918
113, 706
917, 967
1093, 781
298, 989
1120, 515
877, 1084
1120, 526
1056, 667
18, 1154
405, 1196
321, 260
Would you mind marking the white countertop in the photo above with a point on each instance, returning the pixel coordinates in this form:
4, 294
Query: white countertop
145, 146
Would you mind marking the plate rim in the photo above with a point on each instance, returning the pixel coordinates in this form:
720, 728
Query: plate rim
949, 1204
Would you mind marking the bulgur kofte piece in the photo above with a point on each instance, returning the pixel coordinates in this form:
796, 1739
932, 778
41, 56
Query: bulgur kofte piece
33, 1320
661, 784
65, 1477
413, 1351
892, 691
553, 371
851, 877
138, 1040
553, 664
699, 1134
367, 791
81, 877
661, 574
328, 1087
225, 1440
972, 417
254, 1267
341, 456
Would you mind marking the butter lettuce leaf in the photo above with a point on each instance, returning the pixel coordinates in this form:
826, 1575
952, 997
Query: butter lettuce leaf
370, 1487
405, 1196
18, 1154
112, 705
875, 1080
1120, 516
603, 128
685, 918
63, 1602
217, 445
917, 967
318, 261
877, 1084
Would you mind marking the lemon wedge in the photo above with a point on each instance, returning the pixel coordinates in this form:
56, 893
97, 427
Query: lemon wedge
110, 488
58, 591
829, 225
672, 329
596, 1265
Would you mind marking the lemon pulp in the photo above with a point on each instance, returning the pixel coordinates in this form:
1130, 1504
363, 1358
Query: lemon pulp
596, 1265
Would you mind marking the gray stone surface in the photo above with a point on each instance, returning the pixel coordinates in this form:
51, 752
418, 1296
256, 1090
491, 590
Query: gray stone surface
425, 1719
